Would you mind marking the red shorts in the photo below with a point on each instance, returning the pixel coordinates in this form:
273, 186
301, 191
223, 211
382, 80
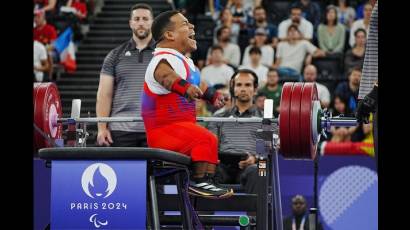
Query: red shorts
187, 138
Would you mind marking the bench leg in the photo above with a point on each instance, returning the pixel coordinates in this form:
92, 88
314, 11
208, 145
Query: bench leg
153, 203
186, 214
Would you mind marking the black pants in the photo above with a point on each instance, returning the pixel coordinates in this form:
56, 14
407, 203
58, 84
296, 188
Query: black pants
230, 174
249, 178
128, 139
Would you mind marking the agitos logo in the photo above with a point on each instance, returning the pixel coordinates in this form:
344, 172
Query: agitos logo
102, 173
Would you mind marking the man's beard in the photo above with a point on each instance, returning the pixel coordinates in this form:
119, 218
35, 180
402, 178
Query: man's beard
143, 35
243, 99
260, 20
228, 39
297, 21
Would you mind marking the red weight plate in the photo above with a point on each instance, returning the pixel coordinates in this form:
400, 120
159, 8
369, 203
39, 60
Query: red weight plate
35, 87
309, 94
284, 131
39, 116
294, 124
47, 106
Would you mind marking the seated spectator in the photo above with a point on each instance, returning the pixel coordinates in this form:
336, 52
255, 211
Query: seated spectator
239, 13
251, 4
48, 7
259, 21
292, 52
72, 13
364, 132
310, 10
260, 101
339, 107
299, 218
304, 26
266, 49
43, 32
232, 52
226, 19
227, 99
331, 34
340, 134
272, 89
255, 64
349, 91
355, 56
202, 111
362, 139
217, 72
310, 75
46, 34
361, 23
345, 13
40, 59
239, 139
80, 8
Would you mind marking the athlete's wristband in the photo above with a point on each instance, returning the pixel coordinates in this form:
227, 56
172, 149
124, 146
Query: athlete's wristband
210, 95
180, 86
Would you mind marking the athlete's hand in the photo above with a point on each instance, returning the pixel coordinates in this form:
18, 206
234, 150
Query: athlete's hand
193, 92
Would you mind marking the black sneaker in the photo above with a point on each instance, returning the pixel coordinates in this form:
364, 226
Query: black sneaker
205, 187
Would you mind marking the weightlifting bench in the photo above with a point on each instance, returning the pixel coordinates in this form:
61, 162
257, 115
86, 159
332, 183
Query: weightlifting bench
107, 186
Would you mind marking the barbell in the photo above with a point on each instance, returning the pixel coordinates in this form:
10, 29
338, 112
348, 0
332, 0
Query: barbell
301, 120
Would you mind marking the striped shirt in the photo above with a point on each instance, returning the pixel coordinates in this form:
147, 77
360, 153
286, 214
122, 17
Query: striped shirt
127, 65
370, 72
238, 137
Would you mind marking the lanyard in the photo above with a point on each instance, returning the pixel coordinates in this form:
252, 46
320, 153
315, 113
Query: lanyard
302, 223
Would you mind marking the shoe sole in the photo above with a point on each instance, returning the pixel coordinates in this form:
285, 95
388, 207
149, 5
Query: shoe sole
197, 193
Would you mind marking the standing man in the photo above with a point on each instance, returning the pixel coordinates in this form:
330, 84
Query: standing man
171, 88
121, 83
370, 77
304, 26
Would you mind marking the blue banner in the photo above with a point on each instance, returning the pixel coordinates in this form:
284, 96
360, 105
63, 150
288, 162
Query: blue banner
98, 195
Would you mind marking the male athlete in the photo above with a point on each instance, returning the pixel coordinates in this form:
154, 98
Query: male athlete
168, 103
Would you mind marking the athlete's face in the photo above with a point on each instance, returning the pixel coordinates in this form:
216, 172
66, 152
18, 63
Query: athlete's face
183, 33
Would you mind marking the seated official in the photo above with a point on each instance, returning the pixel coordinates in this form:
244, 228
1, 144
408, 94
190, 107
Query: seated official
237, 138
